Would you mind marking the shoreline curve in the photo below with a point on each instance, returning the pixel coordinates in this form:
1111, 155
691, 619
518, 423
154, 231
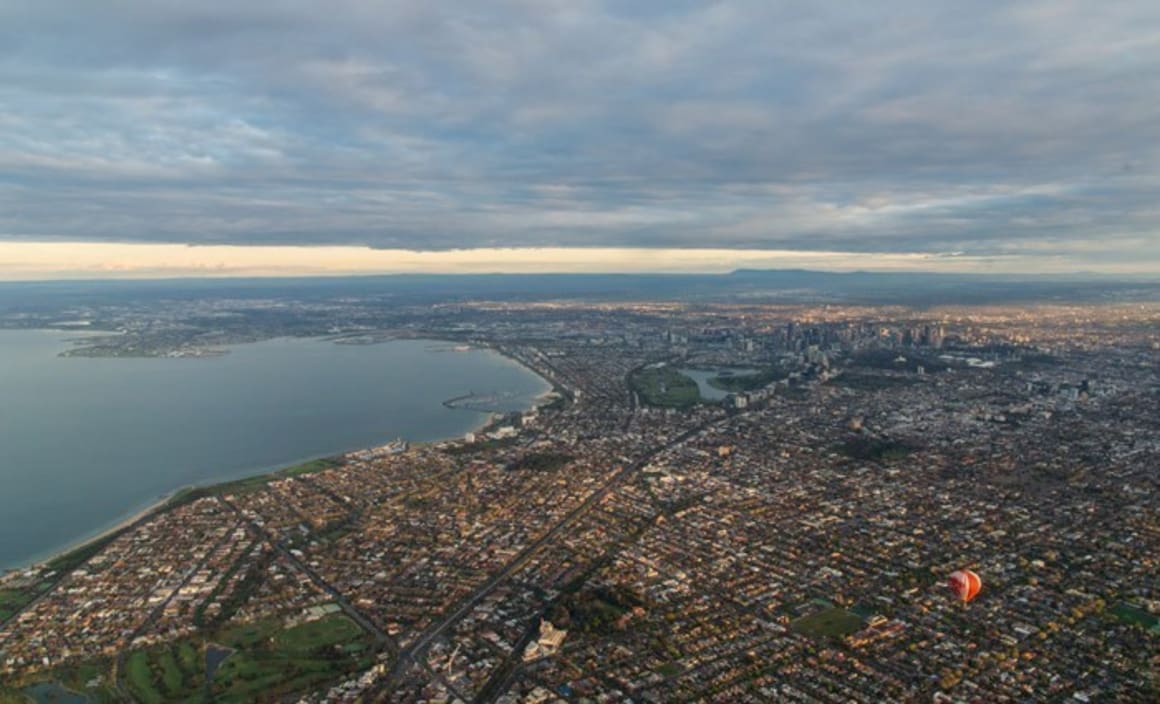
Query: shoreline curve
138, 516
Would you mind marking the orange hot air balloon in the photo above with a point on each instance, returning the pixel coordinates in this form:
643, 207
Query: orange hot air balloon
965, 583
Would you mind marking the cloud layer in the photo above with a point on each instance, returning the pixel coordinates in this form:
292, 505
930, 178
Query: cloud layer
993, 129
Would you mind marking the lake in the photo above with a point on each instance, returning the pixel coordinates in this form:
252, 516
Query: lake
702, 377
84, 443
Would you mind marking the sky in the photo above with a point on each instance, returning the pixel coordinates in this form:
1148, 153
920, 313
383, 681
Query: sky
159, 137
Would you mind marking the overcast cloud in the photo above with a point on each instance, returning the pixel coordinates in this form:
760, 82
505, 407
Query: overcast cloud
982, 128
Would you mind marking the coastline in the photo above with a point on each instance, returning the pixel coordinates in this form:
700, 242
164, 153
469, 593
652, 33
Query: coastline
102, 534
259, 475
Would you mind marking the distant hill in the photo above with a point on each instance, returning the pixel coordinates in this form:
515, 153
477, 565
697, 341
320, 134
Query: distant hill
744, 285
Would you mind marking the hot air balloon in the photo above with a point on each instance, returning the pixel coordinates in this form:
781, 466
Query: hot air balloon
965, 583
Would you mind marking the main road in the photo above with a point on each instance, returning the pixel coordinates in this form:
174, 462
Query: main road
413, 652
349, 609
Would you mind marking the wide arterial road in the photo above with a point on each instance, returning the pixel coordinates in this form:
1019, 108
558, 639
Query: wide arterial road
413, 652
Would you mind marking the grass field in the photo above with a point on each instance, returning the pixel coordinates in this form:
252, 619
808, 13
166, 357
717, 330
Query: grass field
269, 662
75, 678
273, 661
250, 635
308, 467
665, 387
828, 623
863, 610
1138, 616
11, 600
875, 449
541, 462
670, 669
316, 635
747, 382
167, 674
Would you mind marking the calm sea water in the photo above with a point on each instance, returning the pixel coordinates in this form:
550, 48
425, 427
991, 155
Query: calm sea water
86, 442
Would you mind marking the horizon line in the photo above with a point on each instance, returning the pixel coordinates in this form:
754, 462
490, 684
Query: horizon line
55, 260
1143, 277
